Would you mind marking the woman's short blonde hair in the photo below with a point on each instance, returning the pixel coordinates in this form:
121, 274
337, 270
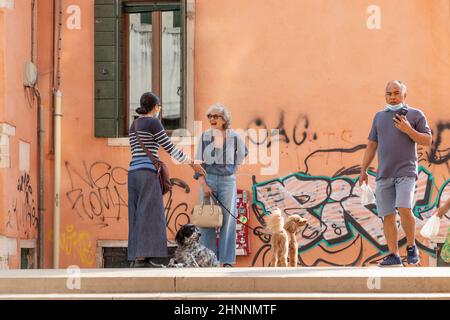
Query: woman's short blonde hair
222, 110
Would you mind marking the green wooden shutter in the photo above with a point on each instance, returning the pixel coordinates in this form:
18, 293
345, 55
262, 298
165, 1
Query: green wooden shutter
108, 94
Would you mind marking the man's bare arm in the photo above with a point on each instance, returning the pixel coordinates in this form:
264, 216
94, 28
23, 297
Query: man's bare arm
423, 139
369, 155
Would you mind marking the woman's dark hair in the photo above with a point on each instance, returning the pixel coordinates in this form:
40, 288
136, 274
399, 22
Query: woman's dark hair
148, 101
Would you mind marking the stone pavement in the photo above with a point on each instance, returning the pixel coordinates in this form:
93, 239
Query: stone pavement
228, 283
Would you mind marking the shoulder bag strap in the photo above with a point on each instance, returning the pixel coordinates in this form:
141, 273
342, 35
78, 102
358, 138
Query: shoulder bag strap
202, 146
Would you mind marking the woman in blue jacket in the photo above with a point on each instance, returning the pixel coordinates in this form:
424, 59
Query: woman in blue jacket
221, 149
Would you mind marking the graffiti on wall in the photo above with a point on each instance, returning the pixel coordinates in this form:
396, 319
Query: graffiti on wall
177, 214
78, 243
75, 243
325, 192
300, 131
327, 158
22, 214
334, 212
440, 150
98, 192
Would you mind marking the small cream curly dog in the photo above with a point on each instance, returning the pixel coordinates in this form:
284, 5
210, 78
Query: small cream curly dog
293, 225
279, 238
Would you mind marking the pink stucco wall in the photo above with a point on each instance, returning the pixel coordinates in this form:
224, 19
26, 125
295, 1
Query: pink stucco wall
312, 68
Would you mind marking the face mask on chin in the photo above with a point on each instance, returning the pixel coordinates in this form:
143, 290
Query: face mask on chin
394, 107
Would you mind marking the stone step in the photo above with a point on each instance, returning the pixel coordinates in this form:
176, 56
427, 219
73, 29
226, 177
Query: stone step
218, 283
228, 296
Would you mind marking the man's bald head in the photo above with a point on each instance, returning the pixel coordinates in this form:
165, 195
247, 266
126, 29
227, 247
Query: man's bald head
395, 92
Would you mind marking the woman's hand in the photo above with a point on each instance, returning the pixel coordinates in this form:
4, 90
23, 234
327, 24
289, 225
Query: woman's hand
198, 168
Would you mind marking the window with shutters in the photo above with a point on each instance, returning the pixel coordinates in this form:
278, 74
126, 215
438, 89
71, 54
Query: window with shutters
139, 47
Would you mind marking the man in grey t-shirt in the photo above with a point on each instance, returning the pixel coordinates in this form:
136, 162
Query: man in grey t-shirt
395, 132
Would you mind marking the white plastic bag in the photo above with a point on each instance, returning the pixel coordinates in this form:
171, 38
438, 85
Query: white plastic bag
431, 228
367, 196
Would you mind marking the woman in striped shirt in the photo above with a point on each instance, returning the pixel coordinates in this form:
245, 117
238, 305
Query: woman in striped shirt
147, 224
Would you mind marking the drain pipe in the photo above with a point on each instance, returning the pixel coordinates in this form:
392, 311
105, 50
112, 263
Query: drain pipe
57, 149
41, 132
57, 184
40, 143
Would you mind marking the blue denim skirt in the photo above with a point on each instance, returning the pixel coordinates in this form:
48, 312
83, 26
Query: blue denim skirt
146, 220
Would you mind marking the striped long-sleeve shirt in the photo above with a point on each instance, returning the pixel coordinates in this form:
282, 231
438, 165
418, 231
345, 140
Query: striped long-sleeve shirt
152, 134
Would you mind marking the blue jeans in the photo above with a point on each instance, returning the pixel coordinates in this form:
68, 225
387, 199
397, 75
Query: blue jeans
224, 188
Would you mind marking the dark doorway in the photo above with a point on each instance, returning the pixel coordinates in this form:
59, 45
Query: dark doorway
117, 257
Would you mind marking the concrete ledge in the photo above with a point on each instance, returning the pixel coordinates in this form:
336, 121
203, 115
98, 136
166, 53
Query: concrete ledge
230, 281
228, 296
91, 281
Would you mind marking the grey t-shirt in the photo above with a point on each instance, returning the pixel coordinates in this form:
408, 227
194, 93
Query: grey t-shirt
397, 154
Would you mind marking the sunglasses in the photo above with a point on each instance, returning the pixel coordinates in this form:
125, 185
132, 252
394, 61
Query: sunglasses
214, 116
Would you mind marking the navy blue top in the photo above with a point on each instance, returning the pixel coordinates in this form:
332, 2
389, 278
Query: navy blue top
397, 154
221, 161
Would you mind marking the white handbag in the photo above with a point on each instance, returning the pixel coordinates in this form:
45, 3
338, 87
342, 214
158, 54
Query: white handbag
207, 215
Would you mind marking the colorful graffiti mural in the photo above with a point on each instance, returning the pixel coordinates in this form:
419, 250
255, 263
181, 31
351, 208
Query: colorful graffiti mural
334, 212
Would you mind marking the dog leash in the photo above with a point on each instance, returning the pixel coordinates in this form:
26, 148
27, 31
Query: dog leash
244, 224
